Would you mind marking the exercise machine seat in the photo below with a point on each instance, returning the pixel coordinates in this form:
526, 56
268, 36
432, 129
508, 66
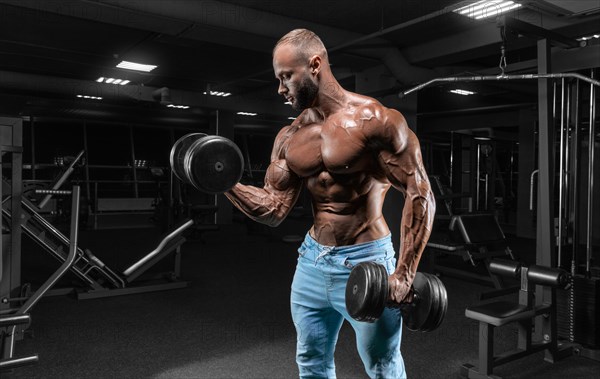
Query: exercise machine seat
499, 313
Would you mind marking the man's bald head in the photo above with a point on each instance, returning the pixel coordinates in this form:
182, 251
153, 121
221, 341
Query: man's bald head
305, 42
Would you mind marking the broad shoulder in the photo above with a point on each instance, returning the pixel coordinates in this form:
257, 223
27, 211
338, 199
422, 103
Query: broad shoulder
379, 120
280, 145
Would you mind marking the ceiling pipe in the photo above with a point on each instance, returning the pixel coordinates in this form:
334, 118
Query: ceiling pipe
397, 64
400, 26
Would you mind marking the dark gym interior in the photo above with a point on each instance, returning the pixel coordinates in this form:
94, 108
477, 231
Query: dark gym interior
114, 266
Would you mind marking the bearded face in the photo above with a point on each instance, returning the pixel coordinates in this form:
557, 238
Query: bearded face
293, 72
306, 93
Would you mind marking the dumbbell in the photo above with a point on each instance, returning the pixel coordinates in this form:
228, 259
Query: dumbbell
367, 295
212, 164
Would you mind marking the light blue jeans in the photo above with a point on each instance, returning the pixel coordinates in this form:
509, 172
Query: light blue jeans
319, 309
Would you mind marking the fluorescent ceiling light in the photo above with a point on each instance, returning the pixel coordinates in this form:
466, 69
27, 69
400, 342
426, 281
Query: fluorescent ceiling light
136, 66
122, 82
487, 8
462, 92
217, 93
482, 138
247, 113
178, 106
89, 97
588, 37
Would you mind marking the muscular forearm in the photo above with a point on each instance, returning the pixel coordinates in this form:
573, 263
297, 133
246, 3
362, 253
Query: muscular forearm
260, 204
417, 221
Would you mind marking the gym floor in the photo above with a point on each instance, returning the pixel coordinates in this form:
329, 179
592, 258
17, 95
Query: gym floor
233, 321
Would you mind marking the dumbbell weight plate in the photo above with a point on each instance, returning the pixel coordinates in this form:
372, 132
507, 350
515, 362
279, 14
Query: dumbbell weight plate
178, 151
213, 164
438, 301
415, 314
443, 303
366, 291
434, 310
437, 304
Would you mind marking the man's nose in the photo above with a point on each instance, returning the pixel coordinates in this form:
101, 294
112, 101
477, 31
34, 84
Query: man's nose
282, 90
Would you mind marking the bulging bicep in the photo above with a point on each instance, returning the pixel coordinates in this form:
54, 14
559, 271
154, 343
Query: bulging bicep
279, 177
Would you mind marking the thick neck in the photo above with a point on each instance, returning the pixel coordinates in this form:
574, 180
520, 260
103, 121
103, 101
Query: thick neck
332, 97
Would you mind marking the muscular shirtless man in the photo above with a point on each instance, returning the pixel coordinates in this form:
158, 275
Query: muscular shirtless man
348, 150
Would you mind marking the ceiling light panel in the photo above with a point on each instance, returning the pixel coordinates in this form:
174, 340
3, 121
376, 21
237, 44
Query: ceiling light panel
487, 8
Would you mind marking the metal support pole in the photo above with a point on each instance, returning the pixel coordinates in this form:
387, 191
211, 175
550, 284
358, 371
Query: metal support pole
561, 159
590, 194
574, 175
545, 328
16, 186
567, 185
477, 176
451, 159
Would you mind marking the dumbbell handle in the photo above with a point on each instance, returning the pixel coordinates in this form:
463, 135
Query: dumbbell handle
412, 299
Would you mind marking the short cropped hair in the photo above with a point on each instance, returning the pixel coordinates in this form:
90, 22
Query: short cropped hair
306, 41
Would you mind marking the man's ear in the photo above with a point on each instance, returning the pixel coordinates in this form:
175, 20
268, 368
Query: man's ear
315, 64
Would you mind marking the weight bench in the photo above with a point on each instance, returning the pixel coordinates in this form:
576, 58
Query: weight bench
499, 313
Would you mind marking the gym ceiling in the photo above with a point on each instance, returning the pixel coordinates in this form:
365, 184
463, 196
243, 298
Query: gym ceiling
52, 51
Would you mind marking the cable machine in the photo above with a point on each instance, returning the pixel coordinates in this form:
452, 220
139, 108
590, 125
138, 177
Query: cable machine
567, 140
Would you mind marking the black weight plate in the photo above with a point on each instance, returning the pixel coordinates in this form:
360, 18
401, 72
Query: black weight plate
214, 164
434, 310
436, 306
416, 313
443, 303
364, 292
178, 151
381, 291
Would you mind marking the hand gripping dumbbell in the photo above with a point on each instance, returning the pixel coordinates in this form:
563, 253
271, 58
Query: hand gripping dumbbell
212, 164
367, 294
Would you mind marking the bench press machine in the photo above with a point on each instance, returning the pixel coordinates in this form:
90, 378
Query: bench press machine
97, 278
15, 323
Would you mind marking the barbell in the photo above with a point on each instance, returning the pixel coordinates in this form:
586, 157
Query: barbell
367, 295
212, 164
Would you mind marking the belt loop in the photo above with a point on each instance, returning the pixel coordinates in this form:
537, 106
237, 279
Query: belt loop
326, 250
